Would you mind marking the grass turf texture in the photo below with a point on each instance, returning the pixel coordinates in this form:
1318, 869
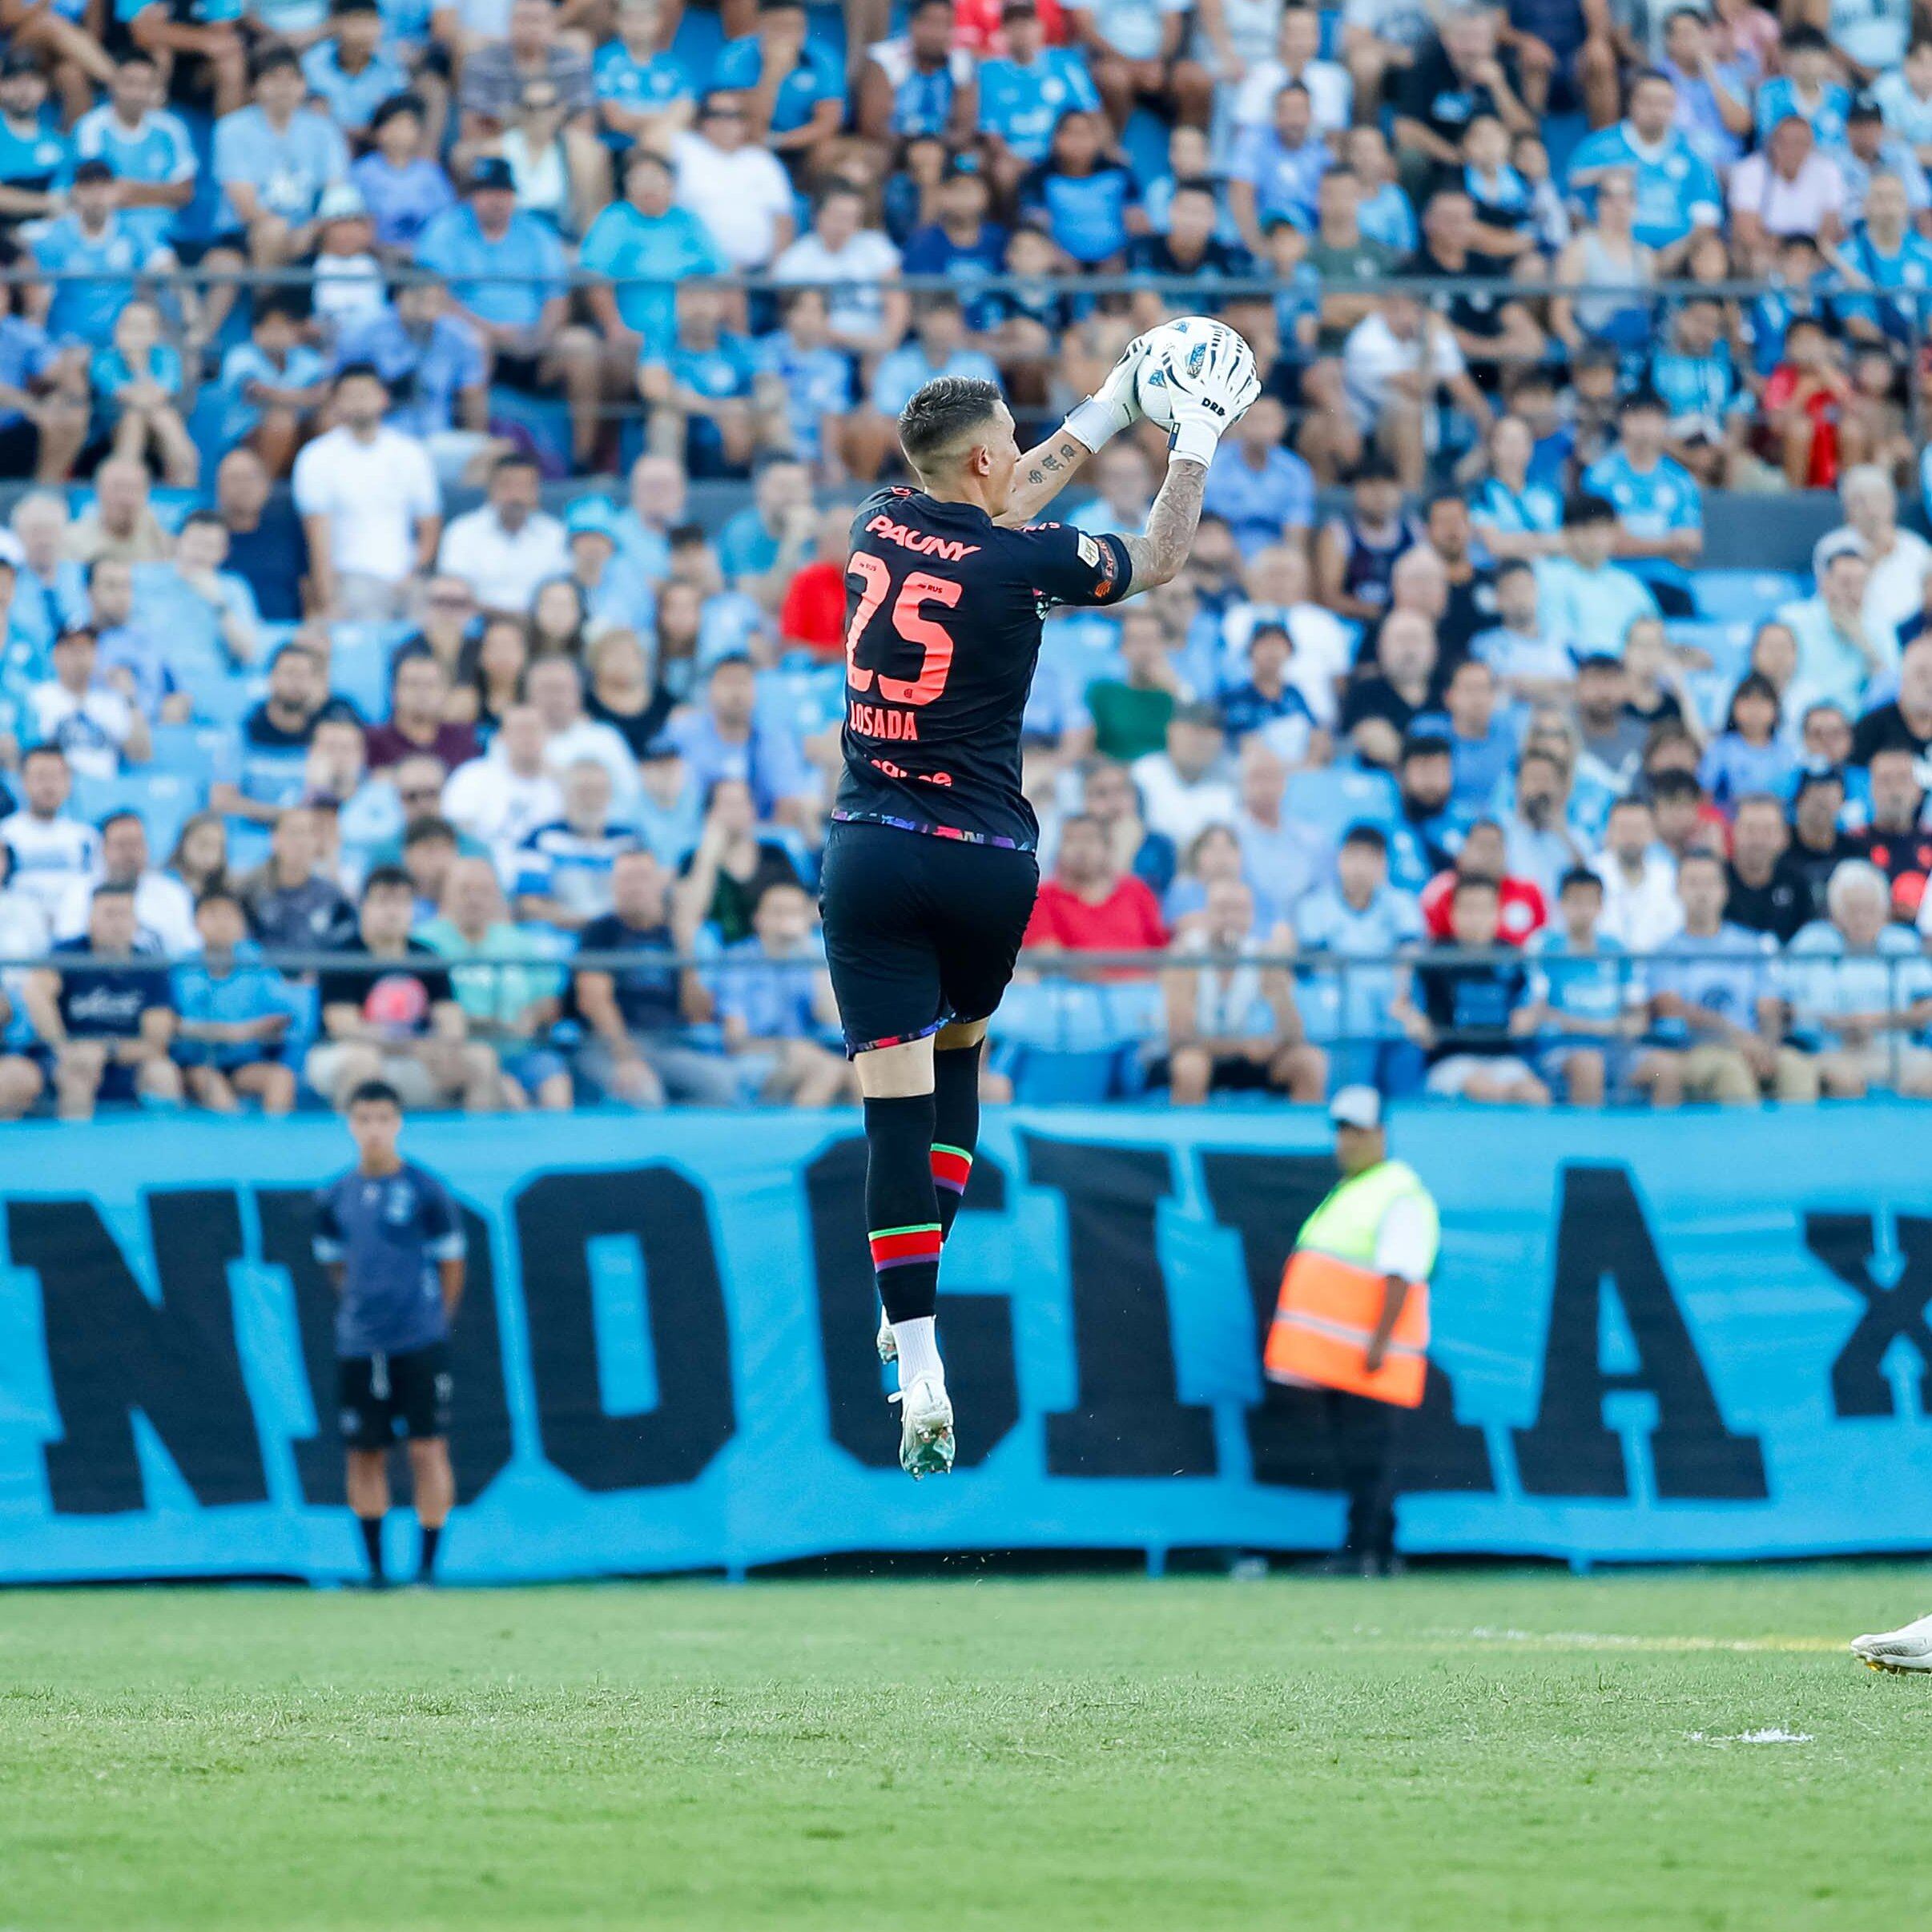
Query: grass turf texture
1484, 1749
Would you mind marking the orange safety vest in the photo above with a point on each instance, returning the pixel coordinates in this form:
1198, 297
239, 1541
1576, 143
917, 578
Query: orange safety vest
1327, 1312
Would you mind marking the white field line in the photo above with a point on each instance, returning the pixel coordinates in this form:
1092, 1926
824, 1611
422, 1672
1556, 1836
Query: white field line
1600, 1639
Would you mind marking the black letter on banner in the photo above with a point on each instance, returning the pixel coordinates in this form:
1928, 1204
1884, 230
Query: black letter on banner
1845, 1244
479, 1431
684, 1300
1265, 1198
110, 1350
976, 1331
1569, 1451
1128, 1422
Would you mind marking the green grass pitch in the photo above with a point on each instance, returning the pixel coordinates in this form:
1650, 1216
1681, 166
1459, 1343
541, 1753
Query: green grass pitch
1481, 1749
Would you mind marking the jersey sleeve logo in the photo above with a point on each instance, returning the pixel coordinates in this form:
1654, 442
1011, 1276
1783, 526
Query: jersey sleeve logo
1090, 551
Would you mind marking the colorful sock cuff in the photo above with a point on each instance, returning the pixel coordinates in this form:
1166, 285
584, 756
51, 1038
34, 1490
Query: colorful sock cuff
896, 1247
952, 1168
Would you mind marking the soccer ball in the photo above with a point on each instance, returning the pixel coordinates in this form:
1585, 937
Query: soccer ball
1178, 351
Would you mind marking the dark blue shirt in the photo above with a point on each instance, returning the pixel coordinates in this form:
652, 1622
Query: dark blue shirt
271, 560
647, 994
389, 1233
104, 999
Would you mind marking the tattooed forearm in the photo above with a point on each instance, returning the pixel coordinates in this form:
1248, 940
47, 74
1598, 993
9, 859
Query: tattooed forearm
1043, 472
1159, 554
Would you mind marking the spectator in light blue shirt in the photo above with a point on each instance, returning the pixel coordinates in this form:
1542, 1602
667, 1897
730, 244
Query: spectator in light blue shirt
137, 383
1276, 169
1678, 191
150, 150
643, 246
1086, 198
809, 100
1265, 493
938, 348
505, 270
1023, 96
775, 1003
1808, 88
235, 1015
1713, 95
1360, 917
1659, 508
430, 356
402, 187
274, 158
643, 90
808, 379
102, 251
1581, 596
351, 71
273, 384
726, 738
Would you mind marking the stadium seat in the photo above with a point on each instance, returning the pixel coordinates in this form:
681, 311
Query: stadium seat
220, 697
164, 801
201, 752
1335, 797
1745, 597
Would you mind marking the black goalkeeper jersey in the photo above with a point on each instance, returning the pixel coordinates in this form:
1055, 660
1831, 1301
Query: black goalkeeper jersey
942, 632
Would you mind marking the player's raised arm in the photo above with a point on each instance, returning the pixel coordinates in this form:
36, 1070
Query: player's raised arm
1204, 408
1048, 467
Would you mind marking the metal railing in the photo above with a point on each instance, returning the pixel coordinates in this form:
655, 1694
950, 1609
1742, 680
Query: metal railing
1098, 1003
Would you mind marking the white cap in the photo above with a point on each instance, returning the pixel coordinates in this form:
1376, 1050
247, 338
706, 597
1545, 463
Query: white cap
1356, 1107
340, 201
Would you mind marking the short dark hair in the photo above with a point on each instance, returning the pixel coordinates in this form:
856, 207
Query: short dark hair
423, 831
1372, 837
1476, 882
123, 815
1668, 785
374, 1093
1585, 507
942, 413
1578, 878
350, 371
406, 103
219, 896
272, 60
388, 879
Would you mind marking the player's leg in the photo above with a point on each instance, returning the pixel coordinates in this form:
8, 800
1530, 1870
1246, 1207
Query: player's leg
885, 973
423, 1388
364, 1396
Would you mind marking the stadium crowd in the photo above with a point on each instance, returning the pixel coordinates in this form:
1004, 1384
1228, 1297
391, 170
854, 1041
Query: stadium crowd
1464, 775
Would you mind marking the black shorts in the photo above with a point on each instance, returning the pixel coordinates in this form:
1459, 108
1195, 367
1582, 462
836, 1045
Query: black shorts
920, 932
378, 1392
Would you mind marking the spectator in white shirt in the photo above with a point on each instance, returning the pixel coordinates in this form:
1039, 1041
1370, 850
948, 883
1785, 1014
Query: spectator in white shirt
25, 931
164, 910
1786, 188
857, 268
91, 722
1641, 908
509, 545
555, 690
1898, 559
1185, 788
1297, 48
735, 187
50, 849
369, 503
503, 797
1393, 364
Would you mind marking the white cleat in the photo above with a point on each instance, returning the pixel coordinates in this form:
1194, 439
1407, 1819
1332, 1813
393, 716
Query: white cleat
1906, 1650
925, 1428
886, 1341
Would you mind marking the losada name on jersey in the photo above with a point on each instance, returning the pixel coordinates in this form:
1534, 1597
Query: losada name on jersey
950, 548
879, 720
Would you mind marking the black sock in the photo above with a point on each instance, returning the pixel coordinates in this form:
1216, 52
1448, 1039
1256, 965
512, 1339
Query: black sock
426, 1569
371, 1542
902, 1215
955, 1126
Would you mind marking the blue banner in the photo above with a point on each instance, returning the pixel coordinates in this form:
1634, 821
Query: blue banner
1657, 1337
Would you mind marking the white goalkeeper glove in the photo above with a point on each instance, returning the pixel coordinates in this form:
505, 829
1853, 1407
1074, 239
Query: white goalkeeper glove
1113, 406
1208, 406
